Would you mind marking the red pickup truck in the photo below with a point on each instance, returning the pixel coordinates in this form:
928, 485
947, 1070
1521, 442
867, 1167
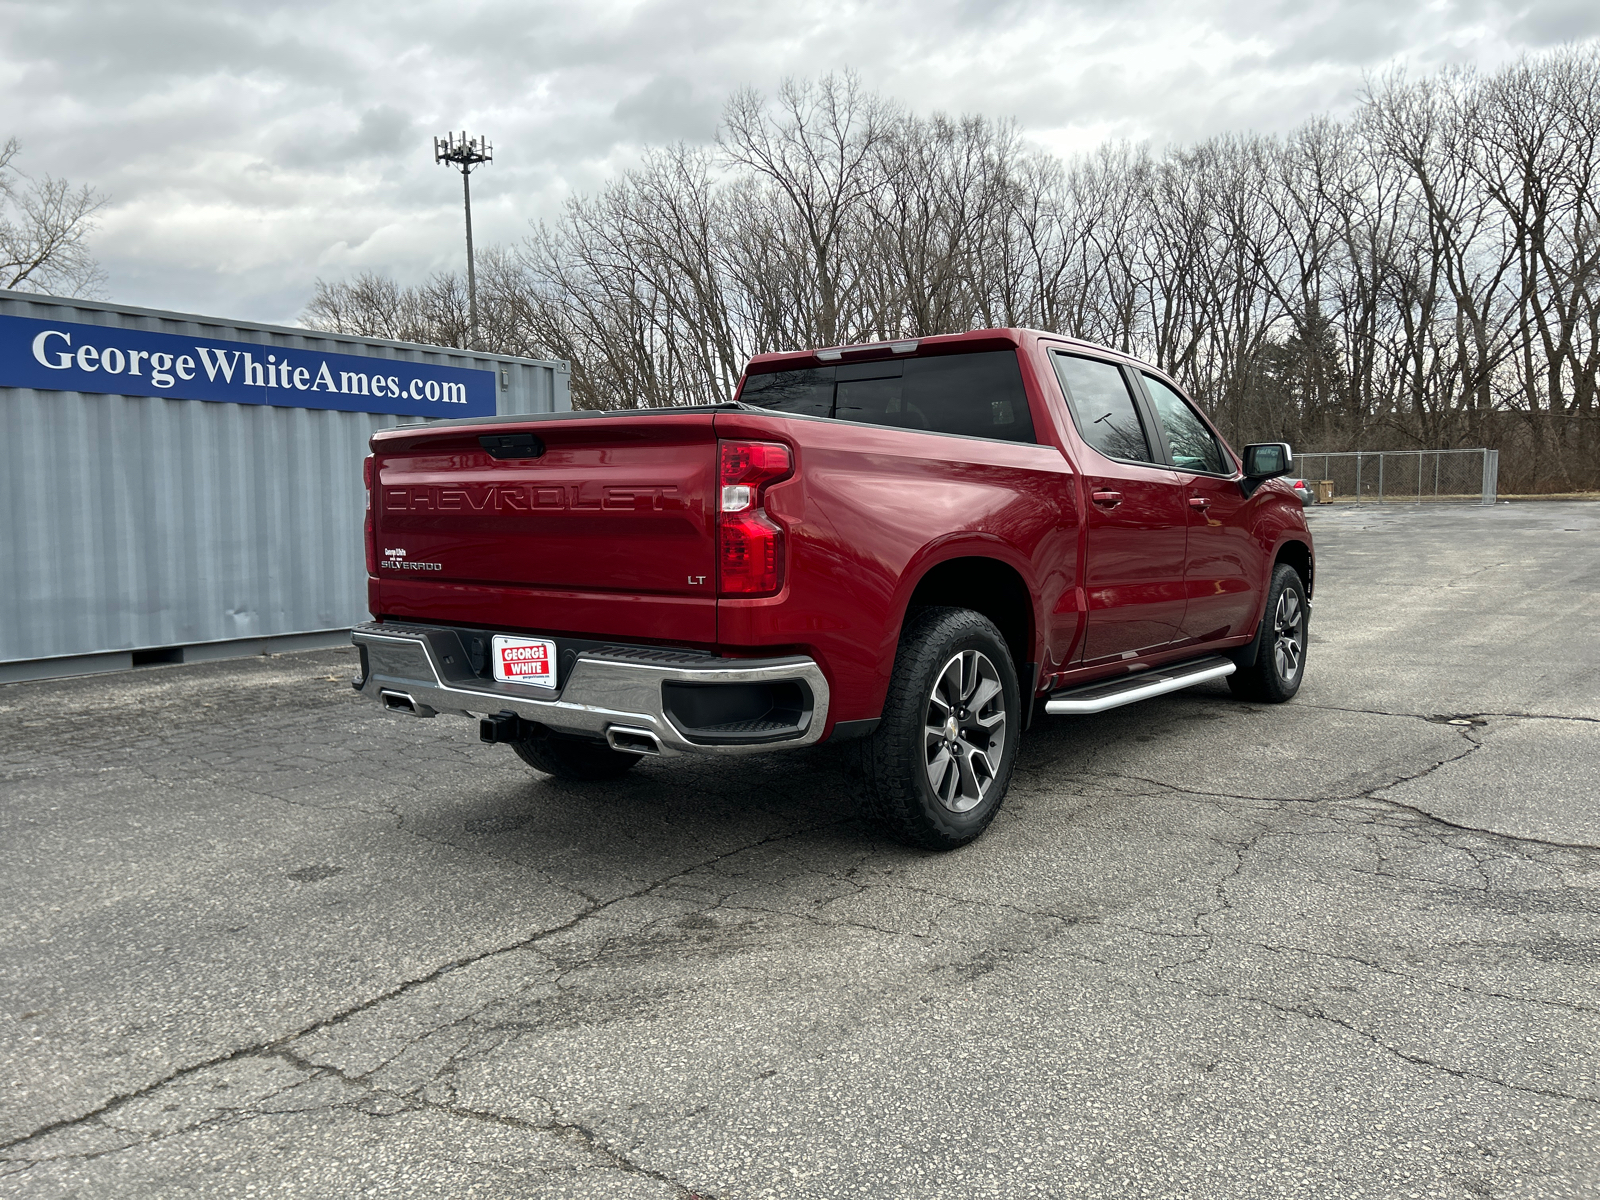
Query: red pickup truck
915, 544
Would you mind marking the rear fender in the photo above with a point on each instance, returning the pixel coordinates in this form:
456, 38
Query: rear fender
1017, 590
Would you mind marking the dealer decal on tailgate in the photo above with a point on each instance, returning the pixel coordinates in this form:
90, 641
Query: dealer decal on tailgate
525, 660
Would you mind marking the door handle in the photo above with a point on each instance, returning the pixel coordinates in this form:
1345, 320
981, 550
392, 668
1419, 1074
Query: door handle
1108, 499
1199, 502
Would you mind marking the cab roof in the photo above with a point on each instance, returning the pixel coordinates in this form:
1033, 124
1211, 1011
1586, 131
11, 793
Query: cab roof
935, 344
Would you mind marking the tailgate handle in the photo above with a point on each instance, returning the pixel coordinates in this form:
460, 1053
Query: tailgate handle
512, 445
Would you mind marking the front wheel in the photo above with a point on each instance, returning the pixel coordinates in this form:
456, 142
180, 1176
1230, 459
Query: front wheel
939, 762
1280, 645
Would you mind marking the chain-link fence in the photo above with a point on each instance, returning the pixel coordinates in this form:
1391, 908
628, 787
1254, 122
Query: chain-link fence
1405, 476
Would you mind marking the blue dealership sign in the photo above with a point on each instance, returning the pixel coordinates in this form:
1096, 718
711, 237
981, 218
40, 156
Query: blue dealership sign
72, 357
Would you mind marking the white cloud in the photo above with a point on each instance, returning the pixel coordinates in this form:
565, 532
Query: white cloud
249, 148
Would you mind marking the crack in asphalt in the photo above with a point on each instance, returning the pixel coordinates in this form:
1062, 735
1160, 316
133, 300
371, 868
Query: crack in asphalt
1365, 794
388, 995
1432, 718
313, 1068
1313, 1013
819, 919
1493, 833
221, 1115
1487, 567
1527, 716
1374, 712
591, 1141
1223, 904
1413, 977
1371, 794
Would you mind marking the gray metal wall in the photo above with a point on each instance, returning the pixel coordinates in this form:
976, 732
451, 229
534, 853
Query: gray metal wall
136, 522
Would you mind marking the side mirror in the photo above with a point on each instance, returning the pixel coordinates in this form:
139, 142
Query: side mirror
1266, 459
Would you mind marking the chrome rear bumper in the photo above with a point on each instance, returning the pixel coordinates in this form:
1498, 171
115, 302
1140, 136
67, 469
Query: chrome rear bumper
614, 693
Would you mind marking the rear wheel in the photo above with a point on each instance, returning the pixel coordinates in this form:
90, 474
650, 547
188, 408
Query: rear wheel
939, 762
574, 760
1280, 645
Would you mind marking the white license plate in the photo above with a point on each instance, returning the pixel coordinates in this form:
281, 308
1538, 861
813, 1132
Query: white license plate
525, 660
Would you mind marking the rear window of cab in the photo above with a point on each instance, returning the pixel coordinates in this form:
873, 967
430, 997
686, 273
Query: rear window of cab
971, 395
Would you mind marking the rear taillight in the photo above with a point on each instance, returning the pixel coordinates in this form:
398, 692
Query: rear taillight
367, 471
749, 543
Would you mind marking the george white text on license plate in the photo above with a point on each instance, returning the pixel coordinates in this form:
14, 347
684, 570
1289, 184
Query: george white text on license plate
525, 660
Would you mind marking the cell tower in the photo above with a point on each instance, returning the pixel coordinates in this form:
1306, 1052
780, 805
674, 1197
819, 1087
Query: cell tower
464, 152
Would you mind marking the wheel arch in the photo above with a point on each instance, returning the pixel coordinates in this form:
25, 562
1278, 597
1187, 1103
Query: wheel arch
1298, 555
988, 585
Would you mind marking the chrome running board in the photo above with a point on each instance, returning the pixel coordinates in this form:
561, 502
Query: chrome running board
1106, 694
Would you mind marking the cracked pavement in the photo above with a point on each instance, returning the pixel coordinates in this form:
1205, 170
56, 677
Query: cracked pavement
260, 937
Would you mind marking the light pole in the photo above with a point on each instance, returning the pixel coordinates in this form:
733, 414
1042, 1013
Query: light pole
466, 153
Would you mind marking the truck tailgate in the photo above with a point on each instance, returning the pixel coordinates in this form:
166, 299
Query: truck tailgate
608, 530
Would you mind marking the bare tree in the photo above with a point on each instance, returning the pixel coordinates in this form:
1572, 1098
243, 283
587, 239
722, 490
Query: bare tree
1425, 272
821, 151
372, 305
1540, 166
44, 232
929, 238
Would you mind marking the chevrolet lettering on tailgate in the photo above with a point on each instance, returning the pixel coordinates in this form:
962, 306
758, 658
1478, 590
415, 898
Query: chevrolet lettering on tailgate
500, 497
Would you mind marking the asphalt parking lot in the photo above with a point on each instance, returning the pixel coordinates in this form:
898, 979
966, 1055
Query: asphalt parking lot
260, 938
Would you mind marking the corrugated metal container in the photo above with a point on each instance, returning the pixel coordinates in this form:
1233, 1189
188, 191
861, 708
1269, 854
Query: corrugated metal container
147, 526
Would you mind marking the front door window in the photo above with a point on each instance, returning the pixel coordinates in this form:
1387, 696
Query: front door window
1193, 446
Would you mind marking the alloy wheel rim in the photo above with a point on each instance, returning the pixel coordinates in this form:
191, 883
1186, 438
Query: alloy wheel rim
1288, 626
964, 734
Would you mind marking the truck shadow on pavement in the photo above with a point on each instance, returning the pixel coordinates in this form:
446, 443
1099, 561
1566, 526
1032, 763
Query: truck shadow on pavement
671, 808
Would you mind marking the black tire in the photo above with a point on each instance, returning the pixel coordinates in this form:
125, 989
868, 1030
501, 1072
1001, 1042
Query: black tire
573, 760
903, 756
1280, 647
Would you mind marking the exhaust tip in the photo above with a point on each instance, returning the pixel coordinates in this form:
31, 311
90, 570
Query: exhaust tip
402, 702
633, 741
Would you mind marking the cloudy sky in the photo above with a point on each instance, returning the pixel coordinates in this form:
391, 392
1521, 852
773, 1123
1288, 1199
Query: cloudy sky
248, 148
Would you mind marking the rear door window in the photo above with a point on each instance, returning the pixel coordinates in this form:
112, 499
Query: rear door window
1103, 408
1194, 447
978, 395
971, 395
